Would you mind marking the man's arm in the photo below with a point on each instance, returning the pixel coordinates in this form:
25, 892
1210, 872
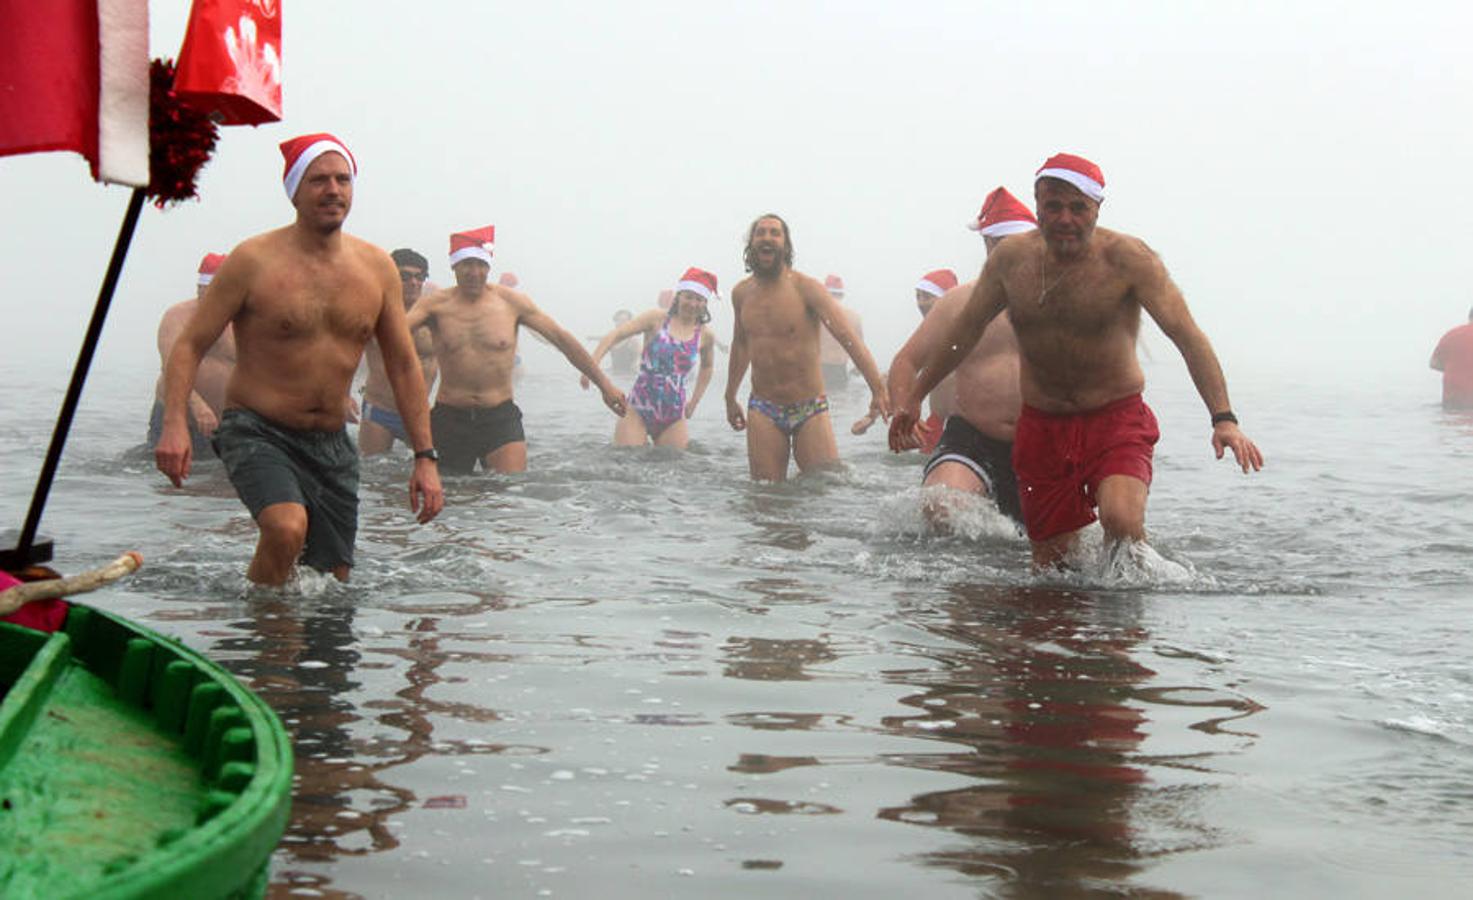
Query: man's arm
835, 319
170, 327
1437, 361
934, 329
645, 321
1159, 296
401, 366
736, 365
572, 349
222, 301
986, 301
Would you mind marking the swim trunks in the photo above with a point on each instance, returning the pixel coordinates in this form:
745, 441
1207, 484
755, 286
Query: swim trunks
197, 439
789, 417
270, 463
465, 434
658, 394
990, 459
386, 418
1060, 460
835, 375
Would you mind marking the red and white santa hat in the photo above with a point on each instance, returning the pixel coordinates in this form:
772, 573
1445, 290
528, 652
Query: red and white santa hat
937, 283
698, 281
1076, 170
834, 285
474, 244
1003, 214
299, 152
209, 266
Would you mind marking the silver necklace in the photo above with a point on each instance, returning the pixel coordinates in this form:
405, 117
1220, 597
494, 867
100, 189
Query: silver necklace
1043, 286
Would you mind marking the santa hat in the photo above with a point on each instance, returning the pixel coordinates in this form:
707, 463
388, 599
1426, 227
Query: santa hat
1003, 214
508, 279
209, 266
938, 282
299, 152
834, 285
699, 282
1076, 170
473, 244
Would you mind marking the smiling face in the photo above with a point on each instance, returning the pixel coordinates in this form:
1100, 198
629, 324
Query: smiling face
769, 247
1066, 217
692, 307
325, 194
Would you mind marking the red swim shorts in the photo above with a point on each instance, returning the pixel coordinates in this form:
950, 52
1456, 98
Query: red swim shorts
1060, 460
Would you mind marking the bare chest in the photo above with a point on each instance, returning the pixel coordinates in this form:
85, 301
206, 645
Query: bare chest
484, 326
1077, 301
777, 315
299, 307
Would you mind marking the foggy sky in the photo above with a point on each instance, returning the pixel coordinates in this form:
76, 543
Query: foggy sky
1298, 165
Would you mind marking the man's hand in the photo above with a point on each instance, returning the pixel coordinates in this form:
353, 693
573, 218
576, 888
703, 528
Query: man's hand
860, 426
1228, 434
734, 415
614, 400
905, 430
173, 454
426, 496
353, 410
879, 404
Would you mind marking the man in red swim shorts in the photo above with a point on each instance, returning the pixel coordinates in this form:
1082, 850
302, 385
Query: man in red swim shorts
1075, 292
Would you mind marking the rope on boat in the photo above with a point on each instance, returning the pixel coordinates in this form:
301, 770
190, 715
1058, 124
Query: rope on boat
12, 599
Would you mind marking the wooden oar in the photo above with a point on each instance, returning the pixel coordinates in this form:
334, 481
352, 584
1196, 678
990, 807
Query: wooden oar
12, 599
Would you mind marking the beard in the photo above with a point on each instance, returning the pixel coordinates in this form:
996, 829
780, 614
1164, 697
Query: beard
769, 268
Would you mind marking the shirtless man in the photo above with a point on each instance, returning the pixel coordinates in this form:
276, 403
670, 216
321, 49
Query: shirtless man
474, 326
1075, 292
833, 359
778, 313
381, 423
303, 300
207, 400
979, 402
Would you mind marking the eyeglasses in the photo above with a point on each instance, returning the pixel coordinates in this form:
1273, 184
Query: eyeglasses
407, 275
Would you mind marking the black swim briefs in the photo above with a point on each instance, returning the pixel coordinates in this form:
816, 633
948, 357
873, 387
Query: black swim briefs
989, 459
270, 463
465, 434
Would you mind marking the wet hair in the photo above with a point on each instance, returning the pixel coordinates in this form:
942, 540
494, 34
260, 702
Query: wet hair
747, 254
406, 257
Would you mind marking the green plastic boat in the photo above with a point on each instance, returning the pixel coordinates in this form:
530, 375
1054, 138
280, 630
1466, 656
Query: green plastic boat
131, 766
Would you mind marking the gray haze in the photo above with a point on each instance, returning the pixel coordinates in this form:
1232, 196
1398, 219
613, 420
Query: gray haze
1299, 166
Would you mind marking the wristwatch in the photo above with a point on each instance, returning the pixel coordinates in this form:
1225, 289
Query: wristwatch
429, 453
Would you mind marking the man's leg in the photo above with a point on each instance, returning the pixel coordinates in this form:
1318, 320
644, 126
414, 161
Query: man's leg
283, 532
506, 459
954, 475
767, 448
1122, 505
813, 445
373, 438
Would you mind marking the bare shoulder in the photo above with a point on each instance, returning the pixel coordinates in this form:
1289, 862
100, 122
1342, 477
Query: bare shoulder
371, 256
518, 301
1128, 253
741, 289
650, 319
1014, 249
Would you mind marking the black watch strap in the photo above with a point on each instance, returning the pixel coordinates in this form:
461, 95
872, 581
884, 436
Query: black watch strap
429, 453
1226, 416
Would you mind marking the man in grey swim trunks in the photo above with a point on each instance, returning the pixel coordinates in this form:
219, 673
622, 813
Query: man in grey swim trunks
303, 301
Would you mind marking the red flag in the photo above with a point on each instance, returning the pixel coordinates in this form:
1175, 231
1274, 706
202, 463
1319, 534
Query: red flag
231, 60
74, 76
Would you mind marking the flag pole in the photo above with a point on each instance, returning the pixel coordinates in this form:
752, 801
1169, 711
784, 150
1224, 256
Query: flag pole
28, 551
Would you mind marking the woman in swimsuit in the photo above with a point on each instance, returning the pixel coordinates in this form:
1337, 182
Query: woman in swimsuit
673, 340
